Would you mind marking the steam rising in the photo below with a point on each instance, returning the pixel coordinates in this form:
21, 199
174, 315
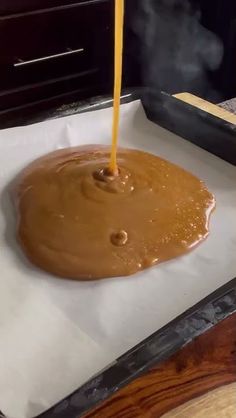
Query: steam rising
177, 51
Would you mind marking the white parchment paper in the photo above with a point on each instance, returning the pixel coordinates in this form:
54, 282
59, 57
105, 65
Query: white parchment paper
55, 334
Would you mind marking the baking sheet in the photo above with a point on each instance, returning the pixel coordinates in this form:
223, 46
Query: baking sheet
55, 334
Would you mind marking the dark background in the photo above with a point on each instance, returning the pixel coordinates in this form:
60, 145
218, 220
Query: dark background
219, 17
30, 29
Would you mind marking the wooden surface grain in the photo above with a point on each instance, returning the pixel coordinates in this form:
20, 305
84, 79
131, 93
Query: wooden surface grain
201, 366
208, 107
218, 403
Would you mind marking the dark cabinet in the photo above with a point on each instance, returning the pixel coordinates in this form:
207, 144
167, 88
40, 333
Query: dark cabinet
63, 49
51, 51
21, 6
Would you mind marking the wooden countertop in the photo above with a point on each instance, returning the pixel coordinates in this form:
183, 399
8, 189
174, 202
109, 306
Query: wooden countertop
207, 363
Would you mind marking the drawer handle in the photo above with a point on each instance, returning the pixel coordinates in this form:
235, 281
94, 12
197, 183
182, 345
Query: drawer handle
21, 63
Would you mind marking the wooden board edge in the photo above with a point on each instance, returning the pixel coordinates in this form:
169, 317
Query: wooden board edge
207, 106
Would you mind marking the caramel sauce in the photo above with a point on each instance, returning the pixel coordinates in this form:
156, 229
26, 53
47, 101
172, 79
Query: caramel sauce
88, 213
78, 222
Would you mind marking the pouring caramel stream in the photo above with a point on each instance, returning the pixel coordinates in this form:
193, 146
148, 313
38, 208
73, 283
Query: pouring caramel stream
119, 24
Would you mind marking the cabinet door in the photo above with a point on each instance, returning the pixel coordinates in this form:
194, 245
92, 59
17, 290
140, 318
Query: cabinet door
20, 6
55, 49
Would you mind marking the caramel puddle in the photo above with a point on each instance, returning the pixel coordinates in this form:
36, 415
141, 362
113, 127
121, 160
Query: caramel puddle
78, 221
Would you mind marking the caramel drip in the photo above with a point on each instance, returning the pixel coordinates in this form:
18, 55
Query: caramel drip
119, 24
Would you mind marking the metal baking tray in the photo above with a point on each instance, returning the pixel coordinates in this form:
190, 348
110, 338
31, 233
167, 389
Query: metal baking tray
201, 128
216, 136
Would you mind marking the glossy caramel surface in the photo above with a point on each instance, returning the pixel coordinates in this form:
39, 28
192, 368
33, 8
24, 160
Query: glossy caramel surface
78, 221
